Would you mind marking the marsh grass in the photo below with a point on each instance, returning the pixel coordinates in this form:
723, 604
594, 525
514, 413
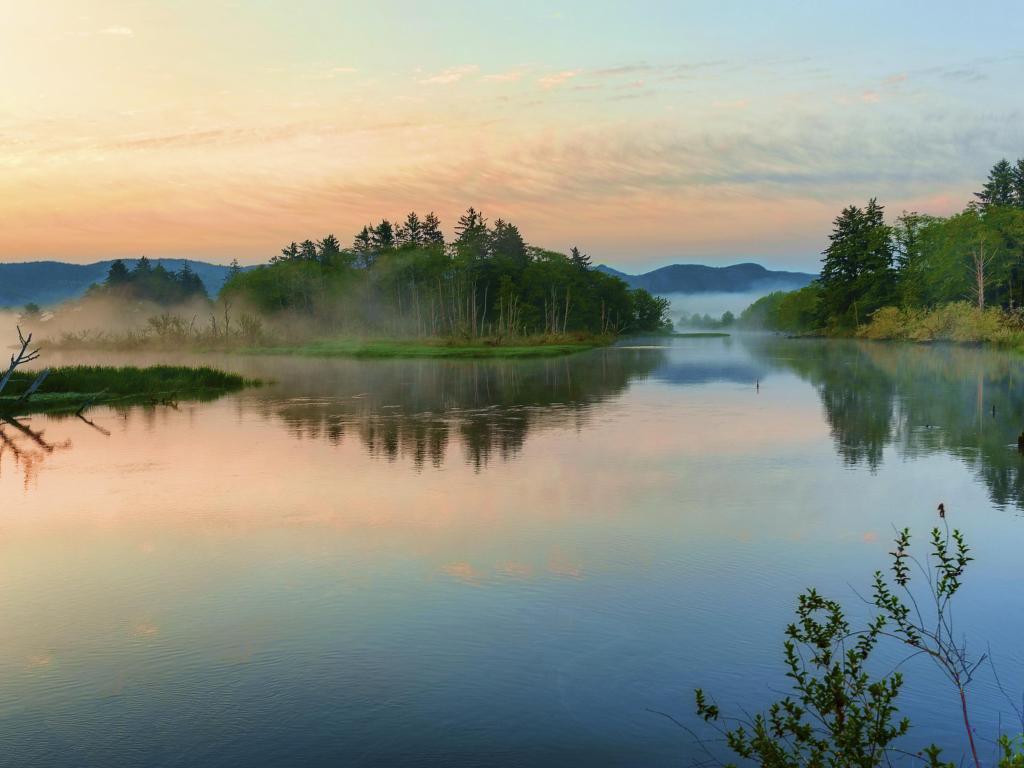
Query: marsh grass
517, 348
69, 388
171, 333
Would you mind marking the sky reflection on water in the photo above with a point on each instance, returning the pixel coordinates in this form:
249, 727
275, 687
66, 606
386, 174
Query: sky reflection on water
411, 562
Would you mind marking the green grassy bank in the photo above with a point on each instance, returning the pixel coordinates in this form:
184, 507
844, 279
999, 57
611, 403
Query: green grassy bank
68, 389
438, 348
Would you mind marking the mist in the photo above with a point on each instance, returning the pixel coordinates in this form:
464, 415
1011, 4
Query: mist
714, 304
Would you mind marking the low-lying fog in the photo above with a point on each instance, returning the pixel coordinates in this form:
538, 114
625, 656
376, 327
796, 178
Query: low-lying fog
713, 304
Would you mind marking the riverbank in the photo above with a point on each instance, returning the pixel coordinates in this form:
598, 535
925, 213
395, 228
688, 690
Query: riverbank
959, 322
539, 345
69, 389
521, 348
956, 322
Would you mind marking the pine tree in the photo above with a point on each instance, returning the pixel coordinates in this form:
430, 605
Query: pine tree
876, 259
328, 249
234, 270
189, 284
1018, 183
999, 189
839, 265
410, 232
307, 250
580, 260
471, 235
117, 274
363, 242
507, 245
432, 234
856, 274
383, 236
291, 253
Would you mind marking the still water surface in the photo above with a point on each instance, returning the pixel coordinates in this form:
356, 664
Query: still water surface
483, 563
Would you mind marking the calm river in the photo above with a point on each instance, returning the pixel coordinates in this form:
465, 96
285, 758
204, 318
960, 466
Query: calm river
404, 563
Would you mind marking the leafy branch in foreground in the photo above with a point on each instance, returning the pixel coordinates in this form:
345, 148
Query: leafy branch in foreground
837, 714
931, 632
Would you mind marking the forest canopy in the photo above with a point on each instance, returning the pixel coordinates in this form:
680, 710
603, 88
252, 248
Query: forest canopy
914, 265
405, 279
144, 282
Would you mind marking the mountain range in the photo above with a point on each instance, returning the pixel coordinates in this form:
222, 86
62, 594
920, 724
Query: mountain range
697, 278
51, 282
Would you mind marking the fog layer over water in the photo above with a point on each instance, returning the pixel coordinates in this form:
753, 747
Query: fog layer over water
502, 562
713, 304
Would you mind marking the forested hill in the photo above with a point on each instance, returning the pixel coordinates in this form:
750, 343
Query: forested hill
50, 282
698, 278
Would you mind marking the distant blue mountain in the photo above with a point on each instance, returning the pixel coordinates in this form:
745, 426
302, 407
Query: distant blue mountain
698, 278
50, 282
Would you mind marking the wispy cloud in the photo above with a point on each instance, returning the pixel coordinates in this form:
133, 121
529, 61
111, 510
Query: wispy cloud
118, 31
664, 72
503, 77
625, 70
964, 75
557, 78
733, 104
450, 75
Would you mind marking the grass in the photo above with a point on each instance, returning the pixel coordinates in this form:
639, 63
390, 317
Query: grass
69, 388
439, 348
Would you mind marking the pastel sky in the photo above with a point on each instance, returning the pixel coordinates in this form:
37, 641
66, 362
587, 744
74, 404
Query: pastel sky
645, 132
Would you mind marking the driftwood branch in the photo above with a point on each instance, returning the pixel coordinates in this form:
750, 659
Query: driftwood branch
102, 430
34, 386
88, 403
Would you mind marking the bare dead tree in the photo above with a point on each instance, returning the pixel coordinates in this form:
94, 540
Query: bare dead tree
979, 261
24, 355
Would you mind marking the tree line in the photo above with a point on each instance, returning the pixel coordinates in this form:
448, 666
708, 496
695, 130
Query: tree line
144, 282
917, 262
407, 279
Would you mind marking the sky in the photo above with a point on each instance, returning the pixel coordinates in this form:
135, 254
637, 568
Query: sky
646, 133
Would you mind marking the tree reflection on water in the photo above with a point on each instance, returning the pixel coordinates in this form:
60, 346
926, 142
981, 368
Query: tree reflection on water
418, 409
918, 399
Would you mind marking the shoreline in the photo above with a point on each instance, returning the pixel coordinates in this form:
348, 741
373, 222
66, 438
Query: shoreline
72, 389
380, 349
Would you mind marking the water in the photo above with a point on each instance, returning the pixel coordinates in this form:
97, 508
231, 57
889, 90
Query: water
485, 563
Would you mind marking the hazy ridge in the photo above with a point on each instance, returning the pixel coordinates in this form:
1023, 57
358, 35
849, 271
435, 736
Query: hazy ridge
699, 278
50, 282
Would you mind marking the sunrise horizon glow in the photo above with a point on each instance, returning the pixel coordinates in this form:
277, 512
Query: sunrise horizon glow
664, 132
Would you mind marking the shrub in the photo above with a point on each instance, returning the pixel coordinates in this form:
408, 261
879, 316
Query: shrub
837, 714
